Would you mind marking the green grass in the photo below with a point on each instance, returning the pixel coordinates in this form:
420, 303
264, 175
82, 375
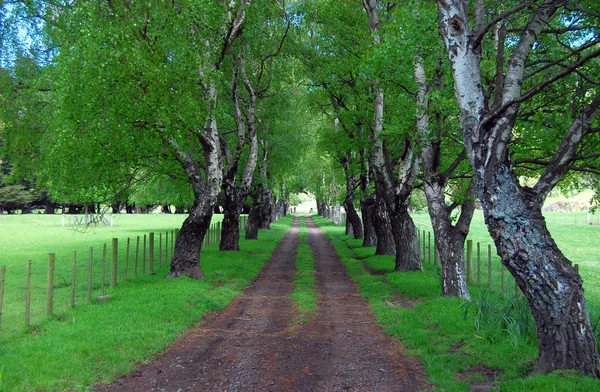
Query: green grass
33, 237
305, 292
91, 343
577, 240
442, 331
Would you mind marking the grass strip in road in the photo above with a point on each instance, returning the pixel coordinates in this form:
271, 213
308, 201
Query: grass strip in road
442, 331
305, 292
94, 343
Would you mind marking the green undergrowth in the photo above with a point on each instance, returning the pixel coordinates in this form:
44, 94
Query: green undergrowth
96, 343
462, 344
305, 292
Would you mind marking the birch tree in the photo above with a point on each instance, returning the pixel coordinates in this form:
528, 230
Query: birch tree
526, 66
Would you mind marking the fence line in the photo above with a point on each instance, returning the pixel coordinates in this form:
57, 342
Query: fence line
82, 289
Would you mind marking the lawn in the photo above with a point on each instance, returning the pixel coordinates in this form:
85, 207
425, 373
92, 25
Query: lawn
92, 342
468, 345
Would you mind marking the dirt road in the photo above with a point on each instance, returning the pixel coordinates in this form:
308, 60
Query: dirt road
252, 345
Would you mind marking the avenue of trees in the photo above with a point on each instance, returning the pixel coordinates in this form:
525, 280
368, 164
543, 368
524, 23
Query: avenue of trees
364, 103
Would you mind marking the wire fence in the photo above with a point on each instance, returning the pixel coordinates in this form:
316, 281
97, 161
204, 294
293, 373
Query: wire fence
35, 291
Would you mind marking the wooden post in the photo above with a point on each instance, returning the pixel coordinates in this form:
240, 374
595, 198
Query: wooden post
490, 267
576, 267
2, 283
27, 295
419, 235
423, 243
90, 275
50, 287
160, 249
73, 279
166, 247
218, 233
126, 258
429, 247
103, 269
478, 264
113, 269
174, 234
502, 270
151, 253
144, 257
209, 234
137, 255
469, 260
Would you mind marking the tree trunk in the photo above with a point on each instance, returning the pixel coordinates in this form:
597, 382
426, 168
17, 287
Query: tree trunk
513, 214
266, 209
348, 225
230, 229
408, 252
553, 288
188, 243
254, 218
367, 209
449, 239
353, 218
383, 228
320, 208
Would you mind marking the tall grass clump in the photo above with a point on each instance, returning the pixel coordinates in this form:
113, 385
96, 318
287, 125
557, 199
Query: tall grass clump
497, 318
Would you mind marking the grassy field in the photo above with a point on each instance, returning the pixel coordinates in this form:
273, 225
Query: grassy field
92, 342
33, 237
578, 241
460, 349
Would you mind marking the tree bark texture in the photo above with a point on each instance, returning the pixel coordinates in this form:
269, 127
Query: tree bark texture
353, 218
513, 213
188, 244
382, 225
449, 238
408, 252
367, 209
230, 227
552, 286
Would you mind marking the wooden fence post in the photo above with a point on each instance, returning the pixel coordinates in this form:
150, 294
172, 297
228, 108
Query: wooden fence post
469, 260
490, 267
218, 233
50, 287
73, 279
160, 249
174, 234
144, 257
502, 269
429, 247
166, 247
424, 243
137, 255
2, 283
126, 258
478, 264
27, 295
113, 269
103, 269
576, 267
151, 253
90, 275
